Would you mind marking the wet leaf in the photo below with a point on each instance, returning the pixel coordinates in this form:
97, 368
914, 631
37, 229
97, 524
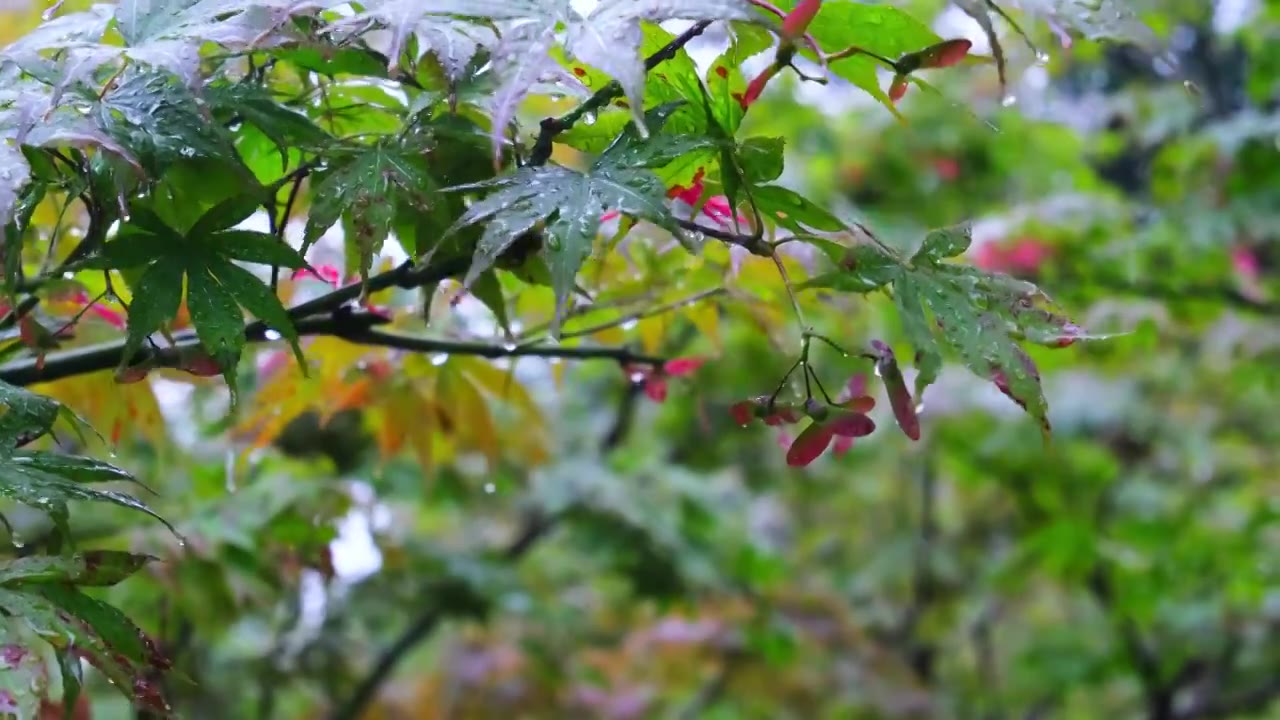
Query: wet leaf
794, 211
574, 202
94, 567
24, 414
368, 188
71, 621
610, 37
945, 243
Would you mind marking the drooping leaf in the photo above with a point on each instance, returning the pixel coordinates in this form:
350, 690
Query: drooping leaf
71, 621
24, 415
256, 297
976, 315
368, 188
93, 567
576, 200
46, 491
216, 315
158, 294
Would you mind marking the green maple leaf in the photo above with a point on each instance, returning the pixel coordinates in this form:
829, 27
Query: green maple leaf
216, 288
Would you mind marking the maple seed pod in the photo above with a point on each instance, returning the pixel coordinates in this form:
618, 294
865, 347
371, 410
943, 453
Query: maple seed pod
897, 89
816, 410
809, 445
757, 86
904, 410
945, 54
743, 412
797, 21
941, 55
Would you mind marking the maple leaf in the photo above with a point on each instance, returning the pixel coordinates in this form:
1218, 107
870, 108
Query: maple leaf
369, 187
610, 37
571, 205
216, 287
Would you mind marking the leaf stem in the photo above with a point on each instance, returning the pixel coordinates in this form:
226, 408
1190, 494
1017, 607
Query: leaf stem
791, 293
855, 50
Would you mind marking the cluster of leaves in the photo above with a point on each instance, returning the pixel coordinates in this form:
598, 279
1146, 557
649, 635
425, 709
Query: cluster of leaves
180, 143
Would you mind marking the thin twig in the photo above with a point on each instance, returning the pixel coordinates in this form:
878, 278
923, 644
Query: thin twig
651, 312
552, 127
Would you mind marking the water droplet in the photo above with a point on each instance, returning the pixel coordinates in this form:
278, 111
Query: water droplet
509, 346
490, 488
919, 408
439, 359
68, 275
1009, 100
1042, 57
637, 377
878, 370
589, 119
629, 325
271, 335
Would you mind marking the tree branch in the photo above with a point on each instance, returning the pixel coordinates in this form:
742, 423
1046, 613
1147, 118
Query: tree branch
753, 244
552, 127
354, 327
1145, 663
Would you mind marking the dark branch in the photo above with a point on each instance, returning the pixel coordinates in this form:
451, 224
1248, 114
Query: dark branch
1146, 664
753, 244
552, 127
1253, 700
350, 326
